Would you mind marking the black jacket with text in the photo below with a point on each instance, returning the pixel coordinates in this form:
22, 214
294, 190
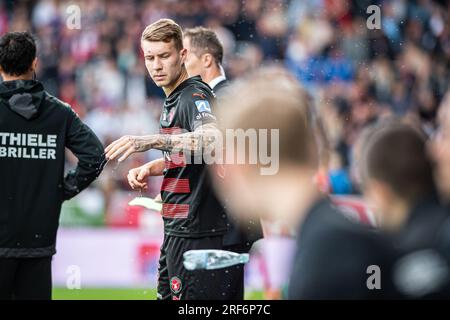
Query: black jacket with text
35, 128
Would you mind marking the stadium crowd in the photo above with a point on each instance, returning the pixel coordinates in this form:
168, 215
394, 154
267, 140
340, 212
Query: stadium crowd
354, 74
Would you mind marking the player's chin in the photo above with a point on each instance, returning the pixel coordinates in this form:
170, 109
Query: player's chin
161, 82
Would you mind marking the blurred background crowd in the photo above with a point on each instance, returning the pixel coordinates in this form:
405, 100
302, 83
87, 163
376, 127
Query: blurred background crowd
354, 74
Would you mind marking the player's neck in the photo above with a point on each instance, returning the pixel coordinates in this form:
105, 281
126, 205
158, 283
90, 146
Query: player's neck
183, 76
211, 74
294, 196
306, 196
25, 76
398, 214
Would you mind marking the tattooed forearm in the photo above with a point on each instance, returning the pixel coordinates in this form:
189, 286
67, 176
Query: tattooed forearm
202, 138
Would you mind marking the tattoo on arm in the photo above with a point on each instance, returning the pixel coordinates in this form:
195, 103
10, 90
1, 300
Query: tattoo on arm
202, 138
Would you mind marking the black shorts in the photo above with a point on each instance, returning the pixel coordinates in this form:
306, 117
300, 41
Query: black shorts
25, 278
177, 283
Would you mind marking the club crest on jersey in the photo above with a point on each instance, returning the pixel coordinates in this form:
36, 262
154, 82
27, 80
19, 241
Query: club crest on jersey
203, 106
175, 285
168, 116
171, 114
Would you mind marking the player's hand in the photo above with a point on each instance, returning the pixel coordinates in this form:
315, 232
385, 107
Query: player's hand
137, 177
126, 146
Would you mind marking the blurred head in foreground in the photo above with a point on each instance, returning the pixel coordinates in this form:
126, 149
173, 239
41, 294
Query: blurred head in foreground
270, 110
441, 149
396, 171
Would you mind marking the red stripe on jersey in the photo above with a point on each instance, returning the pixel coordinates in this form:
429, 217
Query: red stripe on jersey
170, 210
173, 130
176, 185
177, 160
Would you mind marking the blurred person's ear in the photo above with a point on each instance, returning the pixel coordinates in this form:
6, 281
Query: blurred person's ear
207, 60
432, 145
237, 190
34, 64
389, 208
437, 141
183, 55
380, 198
33, 68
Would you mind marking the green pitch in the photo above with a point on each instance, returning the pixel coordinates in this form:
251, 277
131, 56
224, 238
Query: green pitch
119, 294
104, 294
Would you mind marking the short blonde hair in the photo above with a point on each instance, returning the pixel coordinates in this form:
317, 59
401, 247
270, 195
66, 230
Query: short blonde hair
164, 30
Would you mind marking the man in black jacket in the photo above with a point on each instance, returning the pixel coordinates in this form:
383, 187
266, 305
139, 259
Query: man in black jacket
35, 128
397, 177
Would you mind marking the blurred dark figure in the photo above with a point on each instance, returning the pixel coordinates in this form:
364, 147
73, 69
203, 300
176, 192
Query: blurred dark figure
333, 253
398, 184
441, 150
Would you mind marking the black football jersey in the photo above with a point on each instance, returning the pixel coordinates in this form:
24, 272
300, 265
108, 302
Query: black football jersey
190, 207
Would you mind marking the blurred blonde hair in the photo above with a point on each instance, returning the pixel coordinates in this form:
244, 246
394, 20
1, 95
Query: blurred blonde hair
271, 98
